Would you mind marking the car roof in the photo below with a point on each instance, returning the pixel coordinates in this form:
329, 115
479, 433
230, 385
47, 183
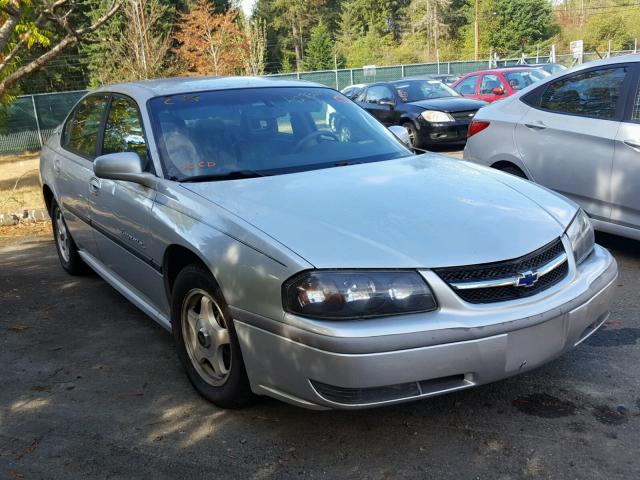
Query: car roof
172, 86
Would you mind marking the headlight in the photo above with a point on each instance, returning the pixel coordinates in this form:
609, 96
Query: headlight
580, 233
436, 117
357, 294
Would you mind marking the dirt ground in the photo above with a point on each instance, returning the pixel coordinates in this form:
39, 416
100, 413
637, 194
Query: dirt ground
19, 183
91, 388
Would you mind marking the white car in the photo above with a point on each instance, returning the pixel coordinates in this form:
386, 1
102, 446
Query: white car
577, 132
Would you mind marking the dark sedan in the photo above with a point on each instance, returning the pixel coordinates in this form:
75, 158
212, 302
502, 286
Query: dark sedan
432, 112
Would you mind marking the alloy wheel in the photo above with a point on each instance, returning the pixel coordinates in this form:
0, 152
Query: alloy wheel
206, 337
62, 236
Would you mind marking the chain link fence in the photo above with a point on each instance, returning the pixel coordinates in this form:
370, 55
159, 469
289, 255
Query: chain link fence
30, 119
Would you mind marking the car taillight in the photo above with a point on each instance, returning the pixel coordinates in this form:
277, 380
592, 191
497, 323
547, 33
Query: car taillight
476, 126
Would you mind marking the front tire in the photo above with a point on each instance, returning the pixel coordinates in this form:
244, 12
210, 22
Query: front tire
66, 247
413, 134
206, 339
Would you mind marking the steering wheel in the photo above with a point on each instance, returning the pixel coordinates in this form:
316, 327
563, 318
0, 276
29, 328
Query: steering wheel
304, 142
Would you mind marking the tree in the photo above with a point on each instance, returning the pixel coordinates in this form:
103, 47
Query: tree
210, 43
509, 26
426, 19
25, 24
255, 34
320, 50
134, 48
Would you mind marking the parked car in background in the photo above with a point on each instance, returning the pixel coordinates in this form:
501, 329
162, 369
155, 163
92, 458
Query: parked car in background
446, 78
352, 91
577, 133
492, 85
323, 271
432, 112
550, 68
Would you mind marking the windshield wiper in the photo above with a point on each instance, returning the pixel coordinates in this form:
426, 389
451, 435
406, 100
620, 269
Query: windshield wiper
235, 175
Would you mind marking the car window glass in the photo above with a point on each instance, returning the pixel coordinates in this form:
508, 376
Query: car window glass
489, 82
377, 93
636, 107
593, 93
519, 80
467, 86
270, 130
123, 130
417, 90
81, 131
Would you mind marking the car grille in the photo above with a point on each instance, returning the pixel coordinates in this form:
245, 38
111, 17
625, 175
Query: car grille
505, 270
466, 115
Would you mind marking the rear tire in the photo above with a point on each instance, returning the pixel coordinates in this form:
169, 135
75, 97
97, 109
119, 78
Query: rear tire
513, 170
67, 250
206, 339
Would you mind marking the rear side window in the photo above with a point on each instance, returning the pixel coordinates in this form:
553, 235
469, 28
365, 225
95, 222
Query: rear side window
592, 94
123, 130
467, 86
81, 130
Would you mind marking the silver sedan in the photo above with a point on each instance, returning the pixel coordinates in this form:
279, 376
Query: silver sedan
577, 132
325, 270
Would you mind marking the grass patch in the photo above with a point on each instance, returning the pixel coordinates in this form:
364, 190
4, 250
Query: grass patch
19, 183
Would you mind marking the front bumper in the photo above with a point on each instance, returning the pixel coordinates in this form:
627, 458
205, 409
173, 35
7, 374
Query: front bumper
442, 133
367, 363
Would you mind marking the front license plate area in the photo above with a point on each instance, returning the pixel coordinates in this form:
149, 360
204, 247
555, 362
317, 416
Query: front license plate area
530, 347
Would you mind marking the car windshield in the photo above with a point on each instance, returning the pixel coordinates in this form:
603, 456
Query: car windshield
244, 133
416, 90
523, 78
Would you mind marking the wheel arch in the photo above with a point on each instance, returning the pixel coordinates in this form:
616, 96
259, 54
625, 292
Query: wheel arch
175, 258
502, 164
47, 193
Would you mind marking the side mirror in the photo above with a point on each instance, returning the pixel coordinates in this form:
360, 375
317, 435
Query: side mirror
498, 91
127, 166
401, 134
387, 101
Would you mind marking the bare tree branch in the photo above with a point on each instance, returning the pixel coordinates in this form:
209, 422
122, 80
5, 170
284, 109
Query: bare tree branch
72, 37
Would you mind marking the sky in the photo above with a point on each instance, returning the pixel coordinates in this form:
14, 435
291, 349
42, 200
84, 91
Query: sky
247, 6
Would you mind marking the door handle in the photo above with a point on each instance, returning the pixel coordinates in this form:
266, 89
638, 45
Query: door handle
56, 165
94, 186
632, 144
538, 125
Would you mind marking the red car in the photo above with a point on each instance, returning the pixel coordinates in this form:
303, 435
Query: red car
491, 85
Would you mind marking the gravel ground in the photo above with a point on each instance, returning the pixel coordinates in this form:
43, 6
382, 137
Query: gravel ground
91, 388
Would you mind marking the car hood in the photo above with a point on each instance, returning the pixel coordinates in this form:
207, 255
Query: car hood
450, 104
416, 212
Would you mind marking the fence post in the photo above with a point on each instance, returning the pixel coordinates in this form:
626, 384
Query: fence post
298, 75
35, 114
635, 46
351, 75
448, 67
401, 71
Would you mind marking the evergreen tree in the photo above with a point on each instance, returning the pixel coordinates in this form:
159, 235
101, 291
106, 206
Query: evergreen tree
320, 50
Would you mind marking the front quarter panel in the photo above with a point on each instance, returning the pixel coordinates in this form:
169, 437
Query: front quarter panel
249, 266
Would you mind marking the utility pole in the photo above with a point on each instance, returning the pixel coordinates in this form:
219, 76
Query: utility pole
476, 31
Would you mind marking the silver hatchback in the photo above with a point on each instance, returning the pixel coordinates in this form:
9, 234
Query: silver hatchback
325, 270
577, 132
